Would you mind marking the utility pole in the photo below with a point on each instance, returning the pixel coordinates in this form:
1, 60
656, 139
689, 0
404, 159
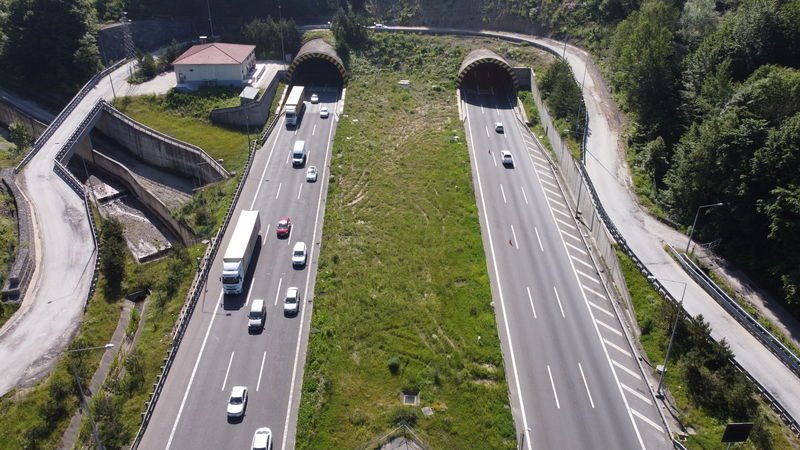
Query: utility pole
210, 23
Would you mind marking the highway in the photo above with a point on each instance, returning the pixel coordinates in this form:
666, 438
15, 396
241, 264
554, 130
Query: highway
573, 375
217, 351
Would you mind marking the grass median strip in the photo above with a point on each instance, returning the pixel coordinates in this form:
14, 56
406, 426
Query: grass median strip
403, 299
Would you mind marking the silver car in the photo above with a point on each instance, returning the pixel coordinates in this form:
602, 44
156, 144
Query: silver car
311, 174
291, 304
262, 439
237, 402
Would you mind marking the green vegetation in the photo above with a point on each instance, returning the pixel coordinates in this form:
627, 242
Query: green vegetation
708, 391
112, 258
149, 67
402, 291
270, 37
564, 101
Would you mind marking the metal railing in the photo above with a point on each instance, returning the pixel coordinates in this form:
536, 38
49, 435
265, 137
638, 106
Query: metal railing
194, 292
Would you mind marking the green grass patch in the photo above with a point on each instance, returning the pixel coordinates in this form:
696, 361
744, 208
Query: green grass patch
707, 390
325, 35
402, 291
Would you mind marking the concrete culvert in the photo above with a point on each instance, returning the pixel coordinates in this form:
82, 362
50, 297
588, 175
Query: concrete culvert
484, 70
317, 63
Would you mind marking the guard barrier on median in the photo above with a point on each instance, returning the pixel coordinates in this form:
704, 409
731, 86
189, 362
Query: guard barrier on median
194, 291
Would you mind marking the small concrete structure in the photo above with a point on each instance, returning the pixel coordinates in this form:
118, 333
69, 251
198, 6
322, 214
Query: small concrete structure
215, 63
249, 94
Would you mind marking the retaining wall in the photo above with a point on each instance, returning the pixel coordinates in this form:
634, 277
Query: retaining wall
159, 149
10, 113
252, 114
20, 274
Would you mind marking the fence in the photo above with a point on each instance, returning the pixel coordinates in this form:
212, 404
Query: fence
194, 293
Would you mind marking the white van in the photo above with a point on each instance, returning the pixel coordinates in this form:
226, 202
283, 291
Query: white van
258, 312
299, 153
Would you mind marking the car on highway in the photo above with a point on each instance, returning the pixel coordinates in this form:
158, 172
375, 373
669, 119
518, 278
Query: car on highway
498, 126
311, 174
284, 227
257, 315
323, 112
237, 402
262, 439
299, 254
506, 158
314, 98
291, 304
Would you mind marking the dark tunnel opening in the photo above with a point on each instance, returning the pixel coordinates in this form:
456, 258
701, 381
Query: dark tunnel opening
488, 77
317, 71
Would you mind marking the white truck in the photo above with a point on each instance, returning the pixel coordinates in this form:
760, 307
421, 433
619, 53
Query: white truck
294, 105
240, 249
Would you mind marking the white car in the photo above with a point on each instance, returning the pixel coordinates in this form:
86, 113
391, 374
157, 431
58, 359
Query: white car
311, 174
291, 304
506, 158
323, 112
299, 254
237, 401
262, 440
314, 98
498, 126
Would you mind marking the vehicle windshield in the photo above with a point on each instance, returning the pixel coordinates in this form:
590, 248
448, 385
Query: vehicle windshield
298, 253
289, 113
236, 400
282, 224
230, 279
255, 314
291, 299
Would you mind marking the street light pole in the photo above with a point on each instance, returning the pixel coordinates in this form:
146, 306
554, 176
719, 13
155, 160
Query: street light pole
671, 336
83, 397
694, 223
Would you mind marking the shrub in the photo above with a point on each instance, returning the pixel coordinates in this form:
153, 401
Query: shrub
394, 365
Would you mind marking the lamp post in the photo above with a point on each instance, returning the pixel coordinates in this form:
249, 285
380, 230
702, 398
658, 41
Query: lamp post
671, 336
691, 233
80, 390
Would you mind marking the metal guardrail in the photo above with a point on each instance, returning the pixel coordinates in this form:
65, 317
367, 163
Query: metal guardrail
786, 355
194, 291
66, 112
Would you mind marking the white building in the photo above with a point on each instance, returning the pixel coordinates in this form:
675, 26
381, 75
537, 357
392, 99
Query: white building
215, 63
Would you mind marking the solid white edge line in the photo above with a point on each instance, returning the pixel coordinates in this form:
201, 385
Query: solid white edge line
586, 385
263, 358
559, 302
553, 384
305, 290
538, 239
227, 372
530, 299
499, 289
194, 372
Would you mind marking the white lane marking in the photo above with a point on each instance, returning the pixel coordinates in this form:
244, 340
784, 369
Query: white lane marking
540, 165
263, 358
499, 293
595, 293
566, 224
487, 131
279, 190
503, 191
570, 235
530, 299
636, 393
538, 238
587, 276
264, 172
549, 183
556, 210
482, 111
559, 302
608, 327
288, 155
300, 191
555, 394
313, 130
646, 420
617, 348
278, 293
505, 135
585, 384
494, 160
265, 240
516, 244
556, 193
308, 294
601, 309
576, 248
194, 372
552, 200
249, 291
629, 371
578, 260
523, 195
546, 173
535, 155
227, 371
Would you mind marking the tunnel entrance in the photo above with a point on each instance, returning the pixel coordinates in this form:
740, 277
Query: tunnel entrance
317, 63
484, 72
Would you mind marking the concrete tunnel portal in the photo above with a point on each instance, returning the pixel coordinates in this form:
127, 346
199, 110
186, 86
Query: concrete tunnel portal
317, 63
484, 71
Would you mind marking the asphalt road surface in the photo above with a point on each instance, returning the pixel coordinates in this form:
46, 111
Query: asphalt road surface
574, 379
217, 351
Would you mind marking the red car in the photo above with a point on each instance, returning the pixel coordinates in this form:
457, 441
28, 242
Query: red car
284, 227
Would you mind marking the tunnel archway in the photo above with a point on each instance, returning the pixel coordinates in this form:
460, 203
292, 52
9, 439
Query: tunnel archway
317, 62
485, 71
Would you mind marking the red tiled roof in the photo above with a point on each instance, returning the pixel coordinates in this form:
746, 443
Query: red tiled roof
215, 53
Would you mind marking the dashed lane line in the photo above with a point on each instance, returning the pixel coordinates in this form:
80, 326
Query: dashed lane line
586, 385
559, 302
530, 299
555, 394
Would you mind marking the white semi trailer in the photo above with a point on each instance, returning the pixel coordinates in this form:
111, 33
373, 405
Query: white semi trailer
240, 249
294, 105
